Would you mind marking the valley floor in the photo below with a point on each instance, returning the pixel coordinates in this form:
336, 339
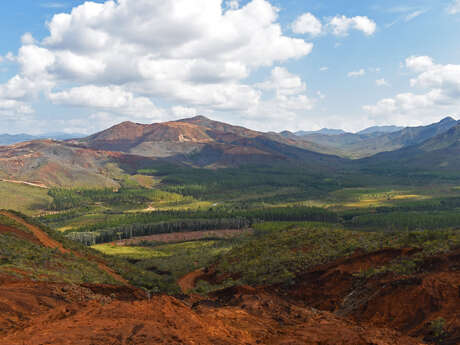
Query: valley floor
400, 295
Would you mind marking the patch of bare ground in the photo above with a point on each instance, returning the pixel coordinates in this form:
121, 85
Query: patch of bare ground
187, 282
186, 236
38, 313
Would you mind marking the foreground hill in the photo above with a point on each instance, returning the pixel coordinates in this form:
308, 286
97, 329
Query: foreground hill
367, 144
31, 252
52, 292
203, 142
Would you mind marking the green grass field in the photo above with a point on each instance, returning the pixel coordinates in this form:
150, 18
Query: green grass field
300, 220
175, 260
129, 252
23, 198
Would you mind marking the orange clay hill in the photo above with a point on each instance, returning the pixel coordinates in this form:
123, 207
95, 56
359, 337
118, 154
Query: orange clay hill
98, 159
211, 143
56, 292
200, 142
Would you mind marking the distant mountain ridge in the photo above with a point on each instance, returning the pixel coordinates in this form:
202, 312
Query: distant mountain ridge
438, 153
380, 129
201, 142
325, 131
330, 131
10, 139
365, 145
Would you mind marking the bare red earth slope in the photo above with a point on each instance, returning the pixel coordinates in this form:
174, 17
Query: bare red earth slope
47, 312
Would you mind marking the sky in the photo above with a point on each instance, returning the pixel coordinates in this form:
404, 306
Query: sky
271, 65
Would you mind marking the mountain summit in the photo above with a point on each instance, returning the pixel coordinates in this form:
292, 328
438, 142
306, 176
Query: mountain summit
204, 141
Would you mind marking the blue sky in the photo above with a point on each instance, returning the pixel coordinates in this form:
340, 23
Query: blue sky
66, 65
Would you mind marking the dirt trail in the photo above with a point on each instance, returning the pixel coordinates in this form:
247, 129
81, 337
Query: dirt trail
111, 273
4, 229
48, 242
42, 236
39, 185
187, 282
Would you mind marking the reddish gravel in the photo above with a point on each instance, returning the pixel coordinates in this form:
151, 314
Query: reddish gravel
186, 236
34, 313
187, 282
327, 305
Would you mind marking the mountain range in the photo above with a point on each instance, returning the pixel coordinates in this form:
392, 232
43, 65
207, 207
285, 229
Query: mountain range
380, 129
369, 143
438, 153
200, 142
325, 131
10, 139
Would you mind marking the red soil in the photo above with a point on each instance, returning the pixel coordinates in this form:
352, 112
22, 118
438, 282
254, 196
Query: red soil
34, 313
328, 305
405, 303
187, 282
4, 229
185, 236
43, 238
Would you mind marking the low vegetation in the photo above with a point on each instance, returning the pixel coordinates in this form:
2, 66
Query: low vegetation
278, 252
172, 261
27, 199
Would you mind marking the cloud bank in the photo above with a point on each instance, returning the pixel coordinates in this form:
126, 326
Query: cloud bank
124, 57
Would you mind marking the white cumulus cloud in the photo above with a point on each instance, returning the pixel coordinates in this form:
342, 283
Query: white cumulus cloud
289, 102
193, 53
112, 98
441, 92
14, 108
341, 25
180, 111
283, 82
307, 23
27, 38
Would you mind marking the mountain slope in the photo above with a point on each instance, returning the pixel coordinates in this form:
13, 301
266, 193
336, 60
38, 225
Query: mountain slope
380, 129
440, 153
365, 145
100, 160
54, 163
203, 142
37, 254
54, 292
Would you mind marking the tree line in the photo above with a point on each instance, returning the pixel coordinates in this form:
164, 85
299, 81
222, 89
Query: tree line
136, 230
294, 213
